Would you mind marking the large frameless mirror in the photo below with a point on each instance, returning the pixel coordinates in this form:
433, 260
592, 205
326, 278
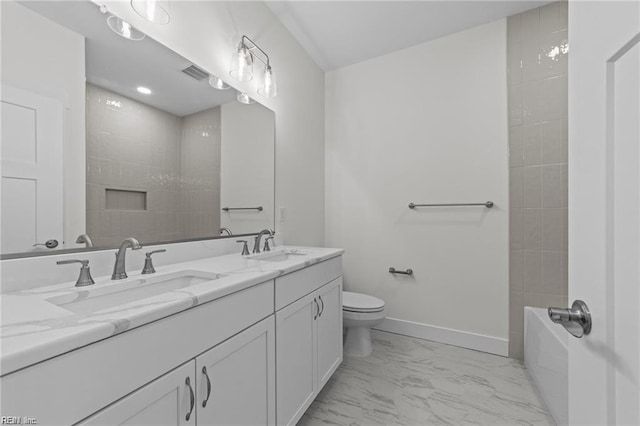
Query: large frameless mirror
108, 137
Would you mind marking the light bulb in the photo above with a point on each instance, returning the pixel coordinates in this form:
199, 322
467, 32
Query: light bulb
268, 88
242, 64
125, 29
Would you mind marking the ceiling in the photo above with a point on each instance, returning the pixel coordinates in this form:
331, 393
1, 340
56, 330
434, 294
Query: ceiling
341, 33
121, 65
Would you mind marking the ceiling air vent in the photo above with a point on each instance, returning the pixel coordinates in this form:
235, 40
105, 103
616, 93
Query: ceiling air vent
195, 72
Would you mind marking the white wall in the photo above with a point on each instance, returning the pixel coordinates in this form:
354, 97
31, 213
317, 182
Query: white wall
207, 33
427, 124
43, 57
246, 178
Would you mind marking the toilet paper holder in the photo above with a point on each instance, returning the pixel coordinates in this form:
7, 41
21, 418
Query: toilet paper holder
393, 270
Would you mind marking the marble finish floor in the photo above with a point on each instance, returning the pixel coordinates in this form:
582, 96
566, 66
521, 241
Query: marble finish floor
408, 381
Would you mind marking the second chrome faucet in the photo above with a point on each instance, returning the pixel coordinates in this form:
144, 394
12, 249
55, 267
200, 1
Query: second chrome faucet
119, 269
256, 246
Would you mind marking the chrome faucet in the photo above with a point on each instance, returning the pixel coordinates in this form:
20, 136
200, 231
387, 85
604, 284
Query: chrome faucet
224, 230
84, 239
119, 269
256, 246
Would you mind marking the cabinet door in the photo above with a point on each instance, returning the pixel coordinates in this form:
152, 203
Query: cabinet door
236, 379
168, 400
329, 331
296, 358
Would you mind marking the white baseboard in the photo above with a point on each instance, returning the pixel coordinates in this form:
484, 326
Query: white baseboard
478, 342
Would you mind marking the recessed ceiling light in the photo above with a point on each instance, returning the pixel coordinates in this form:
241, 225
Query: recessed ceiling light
144, 90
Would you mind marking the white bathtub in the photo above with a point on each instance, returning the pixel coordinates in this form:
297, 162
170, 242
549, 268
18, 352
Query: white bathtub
546, 358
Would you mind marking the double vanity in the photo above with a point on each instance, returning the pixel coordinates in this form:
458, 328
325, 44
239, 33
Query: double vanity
223, 340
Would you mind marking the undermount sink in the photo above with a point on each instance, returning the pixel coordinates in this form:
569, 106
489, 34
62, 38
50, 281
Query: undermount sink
112, 294
278, 255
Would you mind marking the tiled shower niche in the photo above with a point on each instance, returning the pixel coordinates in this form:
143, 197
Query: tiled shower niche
150, 174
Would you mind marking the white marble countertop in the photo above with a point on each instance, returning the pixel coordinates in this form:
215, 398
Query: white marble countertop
33, 329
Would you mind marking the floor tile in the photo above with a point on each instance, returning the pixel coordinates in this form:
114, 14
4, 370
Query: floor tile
409, 382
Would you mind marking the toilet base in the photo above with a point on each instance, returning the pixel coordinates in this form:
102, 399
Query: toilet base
358, 342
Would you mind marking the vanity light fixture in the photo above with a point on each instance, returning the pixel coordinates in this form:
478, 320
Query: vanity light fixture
124, 29
217, 83
243, 98
144, 90
242, 66
156, 11
268, 88
242, 63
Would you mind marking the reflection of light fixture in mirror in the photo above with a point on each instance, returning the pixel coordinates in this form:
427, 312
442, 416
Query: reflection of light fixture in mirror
242, 66
243, 98
143, 90
156, 11
217, 83
268, 88
123, 28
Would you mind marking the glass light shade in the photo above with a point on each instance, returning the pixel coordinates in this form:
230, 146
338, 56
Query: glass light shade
156, 11
243, 98
217, 83
242, 64
123, 28
268, 88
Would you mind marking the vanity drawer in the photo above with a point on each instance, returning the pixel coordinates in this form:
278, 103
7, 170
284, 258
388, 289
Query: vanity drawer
68, 388
295, 285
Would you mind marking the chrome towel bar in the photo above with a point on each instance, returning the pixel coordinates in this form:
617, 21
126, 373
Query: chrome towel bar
226, 209
487, 204
393, 270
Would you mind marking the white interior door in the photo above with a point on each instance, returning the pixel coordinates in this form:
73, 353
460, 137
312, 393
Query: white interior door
32, 141
604, 209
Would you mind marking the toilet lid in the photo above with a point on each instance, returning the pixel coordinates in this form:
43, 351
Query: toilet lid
358, 302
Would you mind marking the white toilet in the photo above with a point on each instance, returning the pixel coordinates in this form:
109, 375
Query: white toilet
360, 312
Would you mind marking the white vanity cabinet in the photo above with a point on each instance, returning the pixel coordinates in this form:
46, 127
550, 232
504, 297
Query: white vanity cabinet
309, 336
237, 379
167, 401
256, 356
295, 359
233, 383
329, 331
138, 367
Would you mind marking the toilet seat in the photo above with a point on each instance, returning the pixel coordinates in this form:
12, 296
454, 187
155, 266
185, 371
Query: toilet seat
358, 302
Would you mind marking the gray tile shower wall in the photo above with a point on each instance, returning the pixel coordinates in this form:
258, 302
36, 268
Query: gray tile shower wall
537, 50
137, 148
199, 211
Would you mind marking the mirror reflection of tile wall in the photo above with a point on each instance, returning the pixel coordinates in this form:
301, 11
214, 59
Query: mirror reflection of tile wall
163, 171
